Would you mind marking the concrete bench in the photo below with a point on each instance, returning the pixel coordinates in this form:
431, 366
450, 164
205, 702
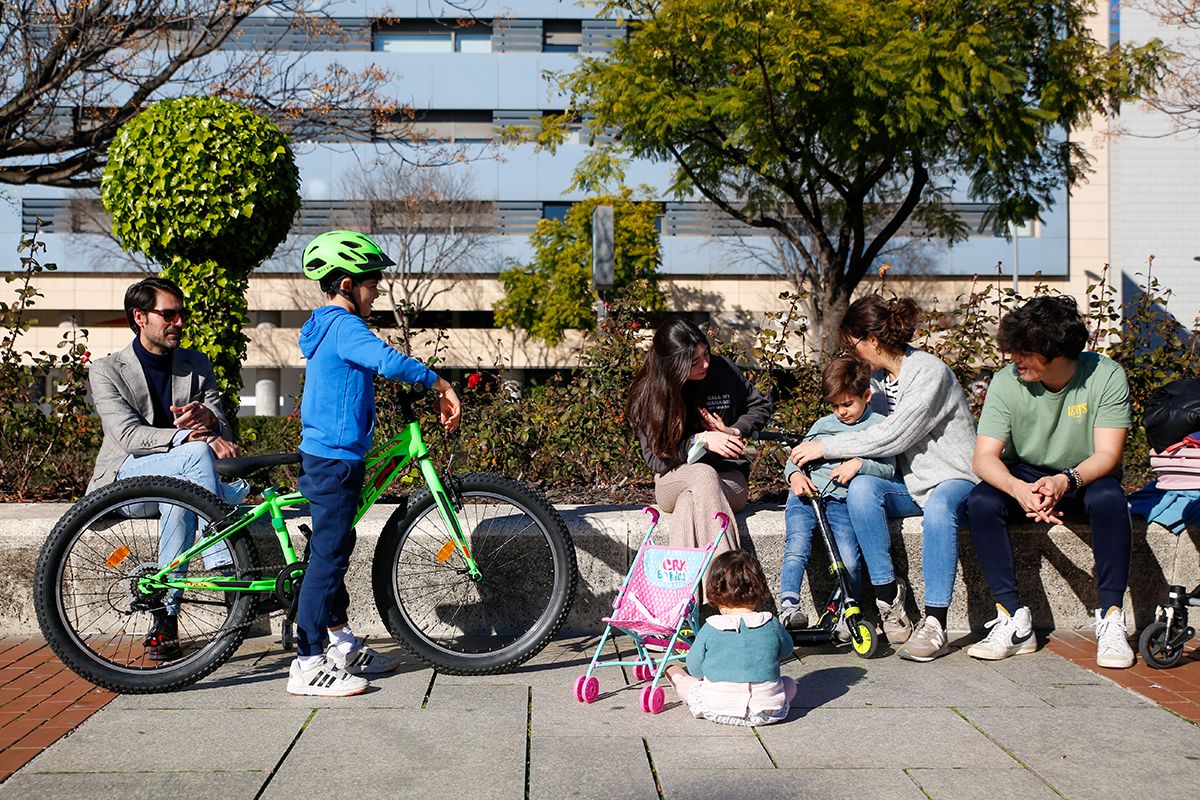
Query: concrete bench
1054, 567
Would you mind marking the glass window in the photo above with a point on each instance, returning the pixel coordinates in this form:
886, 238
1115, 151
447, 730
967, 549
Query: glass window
562, 36
413, 42
556, 211
473, 41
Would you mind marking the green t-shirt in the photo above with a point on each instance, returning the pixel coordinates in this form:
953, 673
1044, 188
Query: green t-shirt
1054, 430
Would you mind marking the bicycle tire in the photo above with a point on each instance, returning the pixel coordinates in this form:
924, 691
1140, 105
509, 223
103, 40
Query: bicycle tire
464, 627
90, 614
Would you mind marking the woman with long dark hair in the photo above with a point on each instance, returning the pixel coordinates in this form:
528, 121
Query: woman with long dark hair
930, 432
691, 411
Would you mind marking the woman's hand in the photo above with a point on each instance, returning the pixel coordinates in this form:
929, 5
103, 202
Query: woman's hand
806, 452
712, 422
723, 444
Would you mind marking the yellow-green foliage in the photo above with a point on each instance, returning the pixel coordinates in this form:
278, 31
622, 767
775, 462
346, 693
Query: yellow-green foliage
553, 293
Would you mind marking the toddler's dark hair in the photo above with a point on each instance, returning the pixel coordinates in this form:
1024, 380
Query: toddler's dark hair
1049, 325
845, 376
735, 579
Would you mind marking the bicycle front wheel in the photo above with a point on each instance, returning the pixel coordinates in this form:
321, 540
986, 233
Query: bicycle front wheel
460, 625
93, 610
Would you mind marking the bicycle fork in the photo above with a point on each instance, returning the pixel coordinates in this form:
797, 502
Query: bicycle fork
448, 509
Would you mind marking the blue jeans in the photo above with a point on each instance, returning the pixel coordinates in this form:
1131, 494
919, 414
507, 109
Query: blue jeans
194, 462
332, 487
800, 522
872, 501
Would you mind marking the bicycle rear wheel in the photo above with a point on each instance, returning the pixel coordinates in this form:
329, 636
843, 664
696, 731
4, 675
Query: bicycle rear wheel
86, 587
459, 625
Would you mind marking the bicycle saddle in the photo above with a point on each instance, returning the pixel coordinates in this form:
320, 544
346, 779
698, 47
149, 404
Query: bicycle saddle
242, 466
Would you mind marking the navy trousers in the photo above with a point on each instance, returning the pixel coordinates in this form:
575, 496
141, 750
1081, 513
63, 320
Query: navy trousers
1102, 502
332, 487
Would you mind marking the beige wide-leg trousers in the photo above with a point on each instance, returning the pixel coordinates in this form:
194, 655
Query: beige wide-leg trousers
692, 494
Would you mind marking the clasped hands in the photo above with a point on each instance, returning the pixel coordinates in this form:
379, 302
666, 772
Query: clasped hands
204, 426
1040, 498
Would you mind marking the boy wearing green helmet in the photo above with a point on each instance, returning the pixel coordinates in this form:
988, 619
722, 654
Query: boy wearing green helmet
337, 415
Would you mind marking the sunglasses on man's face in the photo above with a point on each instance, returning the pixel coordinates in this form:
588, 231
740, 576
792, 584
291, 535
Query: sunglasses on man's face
170, 314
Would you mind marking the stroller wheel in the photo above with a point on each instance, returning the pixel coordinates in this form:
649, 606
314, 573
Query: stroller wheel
864, 639
1161, 648
587, 689
642, 672
653, 699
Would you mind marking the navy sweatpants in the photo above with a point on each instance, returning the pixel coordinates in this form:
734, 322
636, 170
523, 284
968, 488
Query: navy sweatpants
1102, 502
332, 487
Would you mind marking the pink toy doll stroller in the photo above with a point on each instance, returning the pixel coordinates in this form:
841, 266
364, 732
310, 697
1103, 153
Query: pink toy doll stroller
655, 606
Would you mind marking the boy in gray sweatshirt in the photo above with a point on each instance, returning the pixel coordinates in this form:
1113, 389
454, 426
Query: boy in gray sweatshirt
846, 383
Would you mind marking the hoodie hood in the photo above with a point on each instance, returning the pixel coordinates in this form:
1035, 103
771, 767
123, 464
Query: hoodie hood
316, 328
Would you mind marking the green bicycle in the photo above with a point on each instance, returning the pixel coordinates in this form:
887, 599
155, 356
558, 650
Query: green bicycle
473, 573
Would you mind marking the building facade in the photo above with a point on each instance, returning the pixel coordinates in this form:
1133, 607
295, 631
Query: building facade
466, 80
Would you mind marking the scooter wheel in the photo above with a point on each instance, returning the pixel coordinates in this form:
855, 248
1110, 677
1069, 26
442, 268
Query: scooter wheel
864, 639
1155, 646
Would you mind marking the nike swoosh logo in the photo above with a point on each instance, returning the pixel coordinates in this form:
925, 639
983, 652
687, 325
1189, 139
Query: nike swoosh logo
1021, 639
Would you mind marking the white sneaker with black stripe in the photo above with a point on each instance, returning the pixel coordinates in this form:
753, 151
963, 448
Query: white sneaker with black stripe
362, 660
1009, 636
325, 679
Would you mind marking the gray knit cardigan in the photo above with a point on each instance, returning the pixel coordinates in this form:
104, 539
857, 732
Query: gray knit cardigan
930, 431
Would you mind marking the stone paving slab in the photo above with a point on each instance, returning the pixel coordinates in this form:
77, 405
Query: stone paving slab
1029, 727
789, 784
132, 785
1098, 752
1012, 783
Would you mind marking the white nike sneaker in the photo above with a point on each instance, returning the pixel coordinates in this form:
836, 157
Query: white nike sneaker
1112, 640
1009, 636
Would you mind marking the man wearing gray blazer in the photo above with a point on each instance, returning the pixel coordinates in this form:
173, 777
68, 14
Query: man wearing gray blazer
161, 414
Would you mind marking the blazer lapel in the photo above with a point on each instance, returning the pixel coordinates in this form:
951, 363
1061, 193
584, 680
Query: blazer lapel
181, 378
135, 379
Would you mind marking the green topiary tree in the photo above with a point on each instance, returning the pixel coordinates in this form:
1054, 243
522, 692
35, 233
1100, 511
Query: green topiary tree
553, 293
207, 189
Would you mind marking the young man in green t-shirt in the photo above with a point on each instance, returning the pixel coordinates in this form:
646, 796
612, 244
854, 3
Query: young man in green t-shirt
1049, 442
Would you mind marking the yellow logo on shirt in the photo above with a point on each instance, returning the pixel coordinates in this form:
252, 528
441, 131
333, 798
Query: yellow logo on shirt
1077, 410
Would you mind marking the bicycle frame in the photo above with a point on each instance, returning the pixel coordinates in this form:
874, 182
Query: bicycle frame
383, 465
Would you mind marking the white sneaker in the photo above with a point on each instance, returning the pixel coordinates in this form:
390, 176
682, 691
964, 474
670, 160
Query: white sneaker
324, 680
1112, 640
841, 631
1010, 636
362, 660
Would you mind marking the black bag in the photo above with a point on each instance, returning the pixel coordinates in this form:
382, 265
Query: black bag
1173, 413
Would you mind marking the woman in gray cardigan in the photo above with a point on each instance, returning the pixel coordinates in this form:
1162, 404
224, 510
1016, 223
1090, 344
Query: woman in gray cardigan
930, 432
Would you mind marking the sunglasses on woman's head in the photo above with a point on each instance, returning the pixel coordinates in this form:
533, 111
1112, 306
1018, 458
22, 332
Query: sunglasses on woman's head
170, 314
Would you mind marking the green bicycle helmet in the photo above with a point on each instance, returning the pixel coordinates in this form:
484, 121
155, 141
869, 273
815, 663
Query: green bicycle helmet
349, 251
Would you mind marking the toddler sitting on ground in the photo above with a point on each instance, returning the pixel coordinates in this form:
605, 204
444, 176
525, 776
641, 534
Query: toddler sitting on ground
732, 674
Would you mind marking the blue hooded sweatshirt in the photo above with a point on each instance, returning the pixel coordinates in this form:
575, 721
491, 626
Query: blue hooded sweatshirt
337, 411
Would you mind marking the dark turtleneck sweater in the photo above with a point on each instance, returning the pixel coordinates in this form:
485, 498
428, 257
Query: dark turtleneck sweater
157, 369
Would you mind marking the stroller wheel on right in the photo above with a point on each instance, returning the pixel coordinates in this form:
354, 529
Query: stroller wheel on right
1161, 648
864, 638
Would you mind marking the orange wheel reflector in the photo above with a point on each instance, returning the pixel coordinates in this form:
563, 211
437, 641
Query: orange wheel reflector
117, 556
445, 552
